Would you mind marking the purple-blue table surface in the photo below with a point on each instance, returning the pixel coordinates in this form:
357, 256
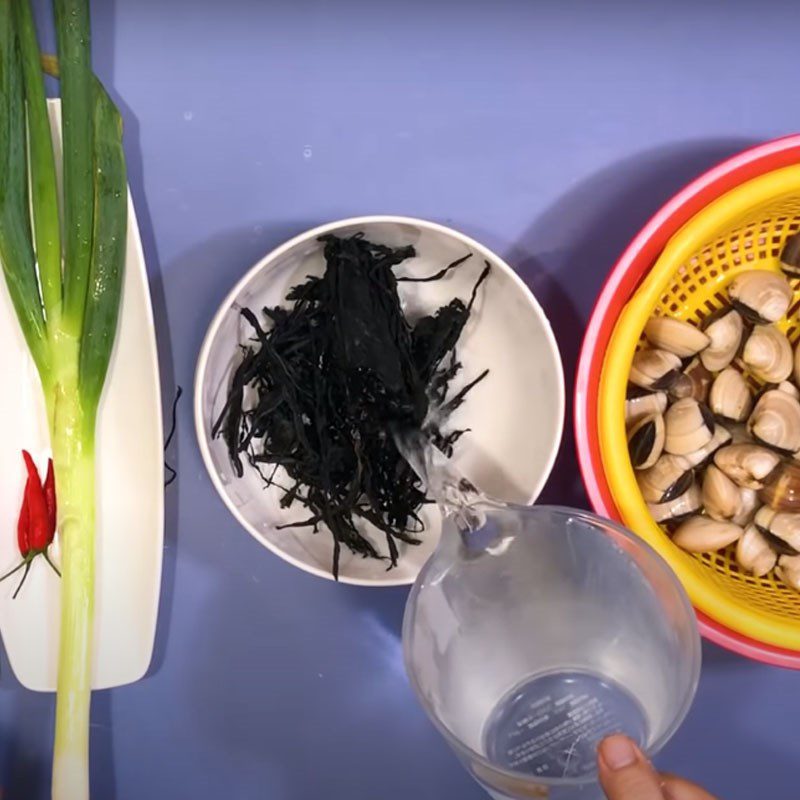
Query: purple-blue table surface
550, 131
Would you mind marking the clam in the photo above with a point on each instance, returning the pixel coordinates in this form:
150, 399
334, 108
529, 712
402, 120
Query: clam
694, 381
760, 296
790, 388
699, 457
681, 506
703, 534
636, 408
646, 441
667, 479
721, 498
785, 527
781, 490
753, 552
763, 518
790, 256
746, 464
780, 529
689, 426
739, 433
724, 501
730, 396
748, 506
724, 329
788, 570
775, 421
654, 369
768, 354
675, 336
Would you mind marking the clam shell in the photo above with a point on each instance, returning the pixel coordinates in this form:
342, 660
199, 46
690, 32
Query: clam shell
721, 496
720, 438
689, 426
768, 354
637, 408
781, 489
761, 296
704, 535
646, 441
747, 465
654, 369
667, 479
725, 333
730, 396
687, 503
775, 421
754, 554
788, 570
676, 336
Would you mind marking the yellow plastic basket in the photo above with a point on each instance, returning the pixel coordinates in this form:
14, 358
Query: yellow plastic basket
744, 229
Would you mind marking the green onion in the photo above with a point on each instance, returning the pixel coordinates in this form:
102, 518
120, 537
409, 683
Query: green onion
16, 248
44, 191
68, 314
72, 33
108, 249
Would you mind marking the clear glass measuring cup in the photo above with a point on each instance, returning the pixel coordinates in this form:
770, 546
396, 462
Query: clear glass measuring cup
544, 629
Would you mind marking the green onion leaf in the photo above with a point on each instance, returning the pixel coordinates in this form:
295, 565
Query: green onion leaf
108, 248
16, 248
72, 29
44, 191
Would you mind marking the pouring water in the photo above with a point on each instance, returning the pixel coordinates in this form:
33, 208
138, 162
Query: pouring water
534, 632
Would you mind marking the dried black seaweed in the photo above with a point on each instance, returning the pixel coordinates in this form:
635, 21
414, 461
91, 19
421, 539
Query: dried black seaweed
173, 473
331, 375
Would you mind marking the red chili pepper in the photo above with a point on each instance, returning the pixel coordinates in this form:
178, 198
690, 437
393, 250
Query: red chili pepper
24, 524
50, 498
39, 519
36, 526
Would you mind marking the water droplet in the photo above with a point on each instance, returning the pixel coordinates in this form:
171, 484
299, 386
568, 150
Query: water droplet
307, 152
188, 115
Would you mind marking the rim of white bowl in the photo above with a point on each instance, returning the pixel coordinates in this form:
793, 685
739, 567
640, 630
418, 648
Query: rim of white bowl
274, 255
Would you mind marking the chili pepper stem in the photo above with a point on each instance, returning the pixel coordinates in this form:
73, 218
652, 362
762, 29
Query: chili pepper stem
74, 460
52, 565
16, 569
27, 564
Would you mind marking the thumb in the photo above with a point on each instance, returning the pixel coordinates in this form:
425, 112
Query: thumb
625, 774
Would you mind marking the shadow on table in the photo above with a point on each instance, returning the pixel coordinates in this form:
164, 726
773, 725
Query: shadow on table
568, 251
164, 345
319, 706
740, 738
104, 16
25, 743
197, 281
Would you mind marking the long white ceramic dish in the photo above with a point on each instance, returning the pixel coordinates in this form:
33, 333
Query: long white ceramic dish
130, 494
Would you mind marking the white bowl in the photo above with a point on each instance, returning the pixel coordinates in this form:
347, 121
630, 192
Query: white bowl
515, 415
